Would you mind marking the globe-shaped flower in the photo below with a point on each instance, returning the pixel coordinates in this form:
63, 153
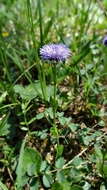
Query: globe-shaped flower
105, 41
55, 52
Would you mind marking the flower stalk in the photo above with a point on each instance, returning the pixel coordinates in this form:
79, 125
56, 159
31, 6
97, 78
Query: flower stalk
54, 94
53, 54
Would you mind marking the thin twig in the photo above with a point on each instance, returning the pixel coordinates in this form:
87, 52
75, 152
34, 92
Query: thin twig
9, 172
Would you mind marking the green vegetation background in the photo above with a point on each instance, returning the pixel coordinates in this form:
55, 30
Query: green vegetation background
35, 155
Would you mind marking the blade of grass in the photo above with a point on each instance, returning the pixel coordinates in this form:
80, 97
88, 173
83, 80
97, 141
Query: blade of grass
4, 61
40, 22
2, 186
17, 61
30, 21
48, 27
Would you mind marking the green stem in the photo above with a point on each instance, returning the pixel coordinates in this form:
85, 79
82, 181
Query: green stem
54, 97
54, 100
42, 81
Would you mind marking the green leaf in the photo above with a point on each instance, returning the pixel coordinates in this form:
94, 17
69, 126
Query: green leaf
31, 169
27, 93
105, 168
49, 112
40, 116
61, 186
99, 159
73, 126
59, 150
77, 161
60, 176
101, 123
31, 161
66, 186
23, 181
43, 166
57, 186
47, 180
2, 186
3, 96
34, 184
103, 187
105, 3
5, 126
98, 153
19, 171
76, 175
76, 187
64, 120
60, 162
87, 186
50, 91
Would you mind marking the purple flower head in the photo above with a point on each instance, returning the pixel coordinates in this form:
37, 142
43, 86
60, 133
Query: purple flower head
105, 41
54, 52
